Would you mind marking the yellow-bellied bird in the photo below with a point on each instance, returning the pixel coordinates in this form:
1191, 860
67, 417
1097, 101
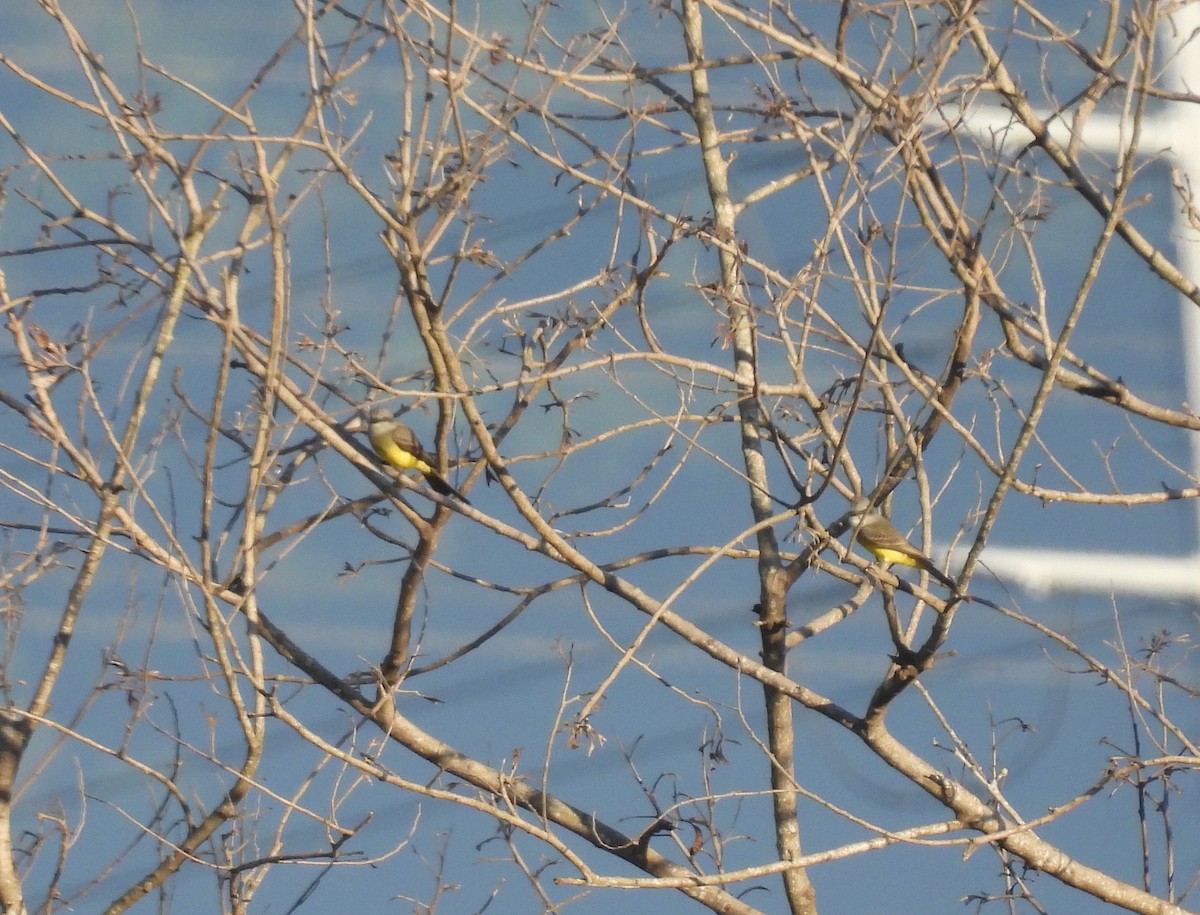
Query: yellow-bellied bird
396, 446
888, 545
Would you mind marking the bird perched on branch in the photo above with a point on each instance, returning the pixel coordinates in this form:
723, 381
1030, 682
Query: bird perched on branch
396, 446
888, 545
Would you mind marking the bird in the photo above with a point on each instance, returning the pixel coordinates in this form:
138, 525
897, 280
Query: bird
397, 446
888, 545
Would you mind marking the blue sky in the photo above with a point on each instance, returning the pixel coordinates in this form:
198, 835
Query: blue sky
503, 699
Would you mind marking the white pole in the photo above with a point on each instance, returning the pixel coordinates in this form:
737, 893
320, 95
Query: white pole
1173, 131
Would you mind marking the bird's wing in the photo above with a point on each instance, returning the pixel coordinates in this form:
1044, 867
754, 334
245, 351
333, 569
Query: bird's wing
403, 437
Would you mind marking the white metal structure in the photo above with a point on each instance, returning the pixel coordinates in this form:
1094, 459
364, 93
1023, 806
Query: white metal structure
1174, 132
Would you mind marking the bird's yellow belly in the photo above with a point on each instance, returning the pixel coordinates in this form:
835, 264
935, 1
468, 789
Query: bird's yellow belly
397, 456
894, 556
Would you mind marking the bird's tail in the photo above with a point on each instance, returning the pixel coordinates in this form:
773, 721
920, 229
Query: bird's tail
940, 576
441, 487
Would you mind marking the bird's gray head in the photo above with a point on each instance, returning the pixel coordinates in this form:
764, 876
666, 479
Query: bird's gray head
860, 507
380, 415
